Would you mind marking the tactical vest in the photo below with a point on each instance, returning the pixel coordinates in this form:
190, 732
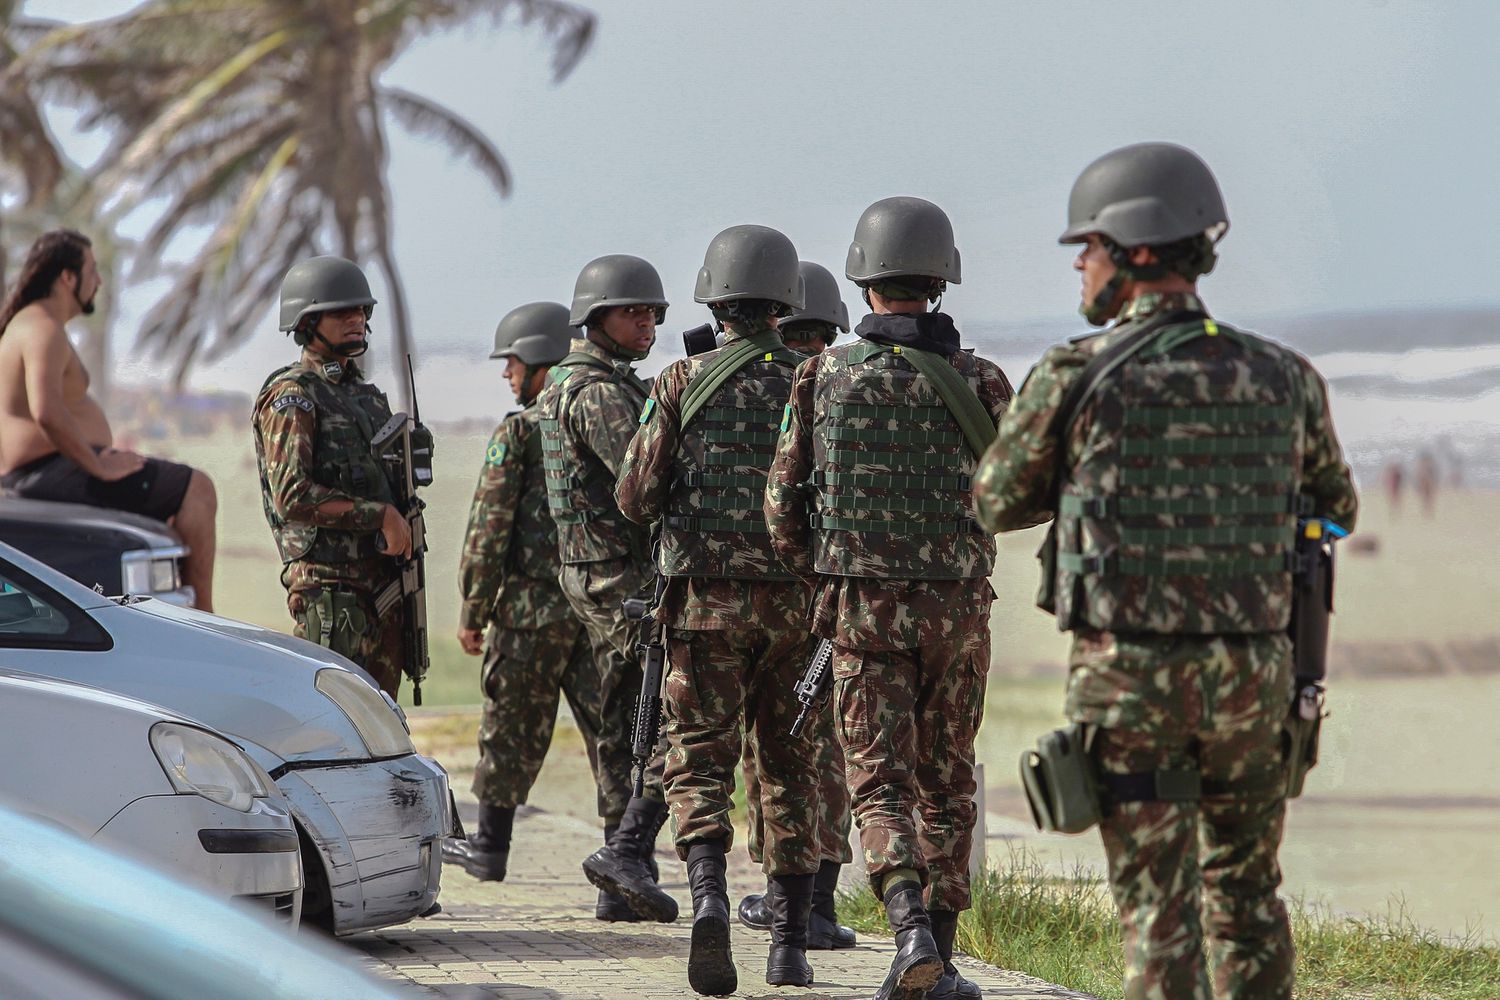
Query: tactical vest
1179, 515
715, 525
892, 471
348, 415
533, 547
580, 488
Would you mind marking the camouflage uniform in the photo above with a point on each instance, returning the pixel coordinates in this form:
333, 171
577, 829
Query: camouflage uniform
1203, 678
313, 422
738, 638
535, 646
588, 416
911, 654
834, 818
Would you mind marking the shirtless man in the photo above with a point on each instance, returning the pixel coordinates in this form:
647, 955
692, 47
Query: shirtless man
55, 443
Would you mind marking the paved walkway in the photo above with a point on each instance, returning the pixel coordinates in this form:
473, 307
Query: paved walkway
534, 937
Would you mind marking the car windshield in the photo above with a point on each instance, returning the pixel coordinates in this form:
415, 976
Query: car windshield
32, 615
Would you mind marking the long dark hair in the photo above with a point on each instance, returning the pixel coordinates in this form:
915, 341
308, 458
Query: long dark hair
53, 253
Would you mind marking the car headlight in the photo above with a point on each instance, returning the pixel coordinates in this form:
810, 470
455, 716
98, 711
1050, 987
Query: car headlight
377, 725
200, 763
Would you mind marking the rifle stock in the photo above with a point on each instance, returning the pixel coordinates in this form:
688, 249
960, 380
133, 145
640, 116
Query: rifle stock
393, 445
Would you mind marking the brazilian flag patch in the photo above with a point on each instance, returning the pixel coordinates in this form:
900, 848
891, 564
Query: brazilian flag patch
649, 409
786, 417
496, 454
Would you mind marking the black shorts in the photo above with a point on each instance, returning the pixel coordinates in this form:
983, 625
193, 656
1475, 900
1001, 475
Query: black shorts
155, 491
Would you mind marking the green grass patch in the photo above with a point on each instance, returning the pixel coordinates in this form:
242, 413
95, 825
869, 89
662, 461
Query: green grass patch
1064, 930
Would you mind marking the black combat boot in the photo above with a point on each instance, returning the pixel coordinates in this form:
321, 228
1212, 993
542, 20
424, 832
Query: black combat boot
917, 966
485, 853
790, 899
755, 911
611, 907
825, 933
710, 964
619, 866
953, 986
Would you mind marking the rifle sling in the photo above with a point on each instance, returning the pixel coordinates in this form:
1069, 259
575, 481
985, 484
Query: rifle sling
962, 401
712, 376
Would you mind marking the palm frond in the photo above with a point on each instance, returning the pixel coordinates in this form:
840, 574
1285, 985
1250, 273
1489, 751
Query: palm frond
427, 118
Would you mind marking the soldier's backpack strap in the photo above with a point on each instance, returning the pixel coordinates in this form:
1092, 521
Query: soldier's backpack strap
619, 373
712, 376
972, 415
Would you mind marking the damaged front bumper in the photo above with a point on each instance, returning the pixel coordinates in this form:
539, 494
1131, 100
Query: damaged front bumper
376, 826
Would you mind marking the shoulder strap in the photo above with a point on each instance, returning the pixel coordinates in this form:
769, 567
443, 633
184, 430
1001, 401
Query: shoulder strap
564, 368
275, 375
1106, 361
712, 376
972, 416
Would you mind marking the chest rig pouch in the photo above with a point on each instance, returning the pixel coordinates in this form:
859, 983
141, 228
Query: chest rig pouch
715, 524
533, 551
893, 465
1178, 515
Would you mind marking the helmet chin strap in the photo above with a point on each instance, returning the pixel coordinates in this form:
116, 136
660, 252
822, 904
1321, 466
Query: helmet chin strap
354, 350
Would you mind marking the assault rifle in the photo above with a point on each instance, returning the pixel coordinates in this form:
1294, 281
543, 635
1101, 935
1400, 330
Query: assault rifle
652, 645
404, 447
814, 685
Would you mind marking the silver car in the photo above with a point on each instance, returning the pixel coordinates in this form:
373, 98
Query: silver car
369, 810
147, 782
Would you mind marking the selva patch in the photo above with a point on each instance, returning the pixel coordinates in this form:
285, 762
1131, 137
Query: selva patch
282, 402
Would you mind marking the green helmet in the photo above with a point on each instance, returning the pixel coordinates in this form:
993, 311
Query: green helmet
616, 279
750, 262
902, 237
823, 302
320, 284
537, 333
1148, 194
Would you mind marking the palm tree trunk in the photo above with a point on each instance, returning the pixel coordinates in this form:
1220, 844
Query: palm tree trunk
404, 353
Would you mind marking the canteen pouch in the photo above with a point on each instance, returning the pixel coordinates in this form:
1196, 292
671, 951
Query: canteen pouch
1046, 593
1299, 737
335, 620
1058, 777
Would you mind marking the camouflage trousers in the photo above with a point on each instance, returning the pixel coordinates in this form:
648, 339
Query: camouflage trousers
525, 671
906, 719
834, 817
1183, 871
596, 590
378, 646
724, 683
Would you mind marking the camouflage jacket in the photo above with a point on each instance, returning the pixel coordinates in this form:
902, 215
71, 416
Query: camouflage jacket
588, 415
508, 570
1022, 476
865, 612
313, 424
730, 581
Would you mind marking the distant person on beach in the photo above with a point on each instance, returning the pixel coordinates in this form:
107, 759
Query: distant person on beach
1393, 479
1426, 482
55, 442
1173, 450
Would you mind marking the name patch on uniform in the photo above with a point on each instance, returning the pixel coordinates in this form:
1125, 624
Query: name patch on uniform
649, 409
332, 369
496, 454
786, 417
282, 402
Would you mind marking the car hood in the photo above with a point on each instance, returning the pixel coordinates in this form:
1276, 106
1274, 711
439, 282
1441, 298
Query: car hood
248, 682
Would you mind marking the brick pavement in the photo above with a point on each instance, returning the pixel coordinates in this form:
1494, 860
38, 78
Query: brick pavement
534, 937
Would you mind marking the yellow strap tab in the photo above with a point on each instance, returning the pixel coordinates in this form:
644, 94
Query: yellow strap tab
1211, 328
1313, 529
895, 350
770, 356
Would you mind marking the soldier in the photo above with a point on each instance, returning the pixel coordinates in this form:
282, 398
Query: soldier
328, 499
887, 431
737, 632
588, 416
809, 330
508, 577
1175, 480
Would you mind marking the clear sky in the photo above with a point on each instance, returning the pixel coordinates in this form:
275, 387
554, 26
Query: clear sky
1355, 141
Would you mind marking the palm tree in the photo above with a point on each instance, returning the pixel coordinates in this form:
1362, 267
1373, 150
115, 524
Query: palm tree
30, 164
265, 120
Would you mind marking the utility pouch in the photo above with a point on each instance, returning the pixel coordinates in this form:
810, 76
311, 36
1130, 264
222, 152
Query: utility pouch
1046, 592
335, 620
1058, 777
1299, 736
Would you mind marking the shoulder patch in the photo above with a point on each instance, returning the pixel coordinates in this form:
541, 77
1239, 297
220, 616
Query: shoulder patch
649, 409
291, 399
786, 417
496, 453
